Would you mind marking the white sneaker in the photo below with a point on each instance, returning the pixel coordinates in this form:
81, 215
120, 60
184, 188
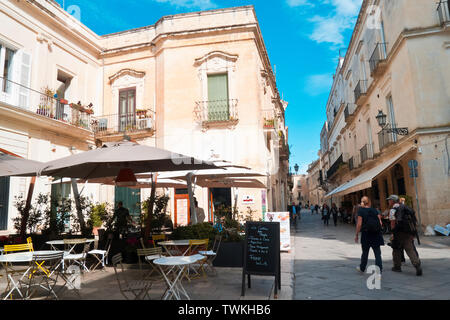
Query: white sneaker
359, 270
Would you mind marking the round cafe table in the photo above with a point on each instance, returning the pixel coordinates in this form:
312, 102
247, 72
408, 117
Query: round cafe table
8, 260
175, 267
179, 246
54, 243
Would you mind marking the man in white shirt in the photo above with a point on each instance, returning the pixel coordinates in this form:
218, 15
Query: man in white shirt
200, 212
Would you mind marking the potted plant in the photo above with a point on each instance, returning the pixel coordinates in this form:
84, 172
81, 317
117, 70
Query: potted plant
141, 113
89, 109
97, 216
269, 123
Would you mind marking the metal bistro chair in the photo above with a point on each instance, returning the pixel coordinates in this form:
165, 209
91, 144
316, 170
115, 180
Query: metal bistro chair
212, 254
158, 237
44, 274
149, 255
11, 271
137, 288
195, 246
77, 258
102, 255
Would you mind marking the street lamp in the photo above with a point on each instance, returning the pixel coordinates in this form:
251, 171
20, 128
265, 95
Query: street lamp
381, 119
296, 167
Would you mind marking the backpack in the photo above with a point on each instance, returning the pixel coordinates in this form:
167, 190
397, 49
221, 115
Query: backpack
372, 223
406, 220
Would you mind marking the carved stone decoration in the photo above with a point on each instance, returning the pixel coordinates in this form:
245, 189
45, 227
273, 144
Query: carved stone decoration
126, 72
125, 79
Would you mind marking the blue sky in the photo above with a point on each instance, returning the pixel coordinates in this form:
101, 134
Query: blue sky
303, 39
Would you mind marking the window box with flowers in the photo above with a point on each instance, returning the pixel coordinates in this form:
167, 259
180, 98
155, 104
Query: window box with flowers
269, 123
141, 113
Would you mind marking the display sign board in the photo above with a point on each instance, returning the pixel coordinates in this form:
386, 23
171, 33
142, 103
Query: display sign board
262, 252
285, 228
248, 199
182, 212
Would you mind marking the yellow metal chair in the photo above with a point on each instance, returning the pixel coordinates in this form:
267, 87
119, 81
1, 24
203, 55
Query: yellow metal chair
13, 285
198, 268
158, 237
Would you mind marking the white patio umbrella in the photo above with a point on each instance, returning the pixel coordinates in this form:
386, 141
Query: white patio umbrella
10, 165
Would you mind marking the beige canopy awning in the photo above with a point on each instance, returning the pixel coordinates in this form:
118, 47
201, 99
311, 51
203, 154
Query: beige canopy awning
364, 180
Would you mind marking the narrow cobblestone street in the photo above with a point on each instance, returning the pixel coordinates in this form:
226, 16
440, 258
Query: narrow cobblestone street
326, 258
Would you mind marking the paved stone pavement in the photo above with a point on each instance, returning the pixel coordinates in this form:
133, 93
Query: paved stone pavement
326, 258
226, 285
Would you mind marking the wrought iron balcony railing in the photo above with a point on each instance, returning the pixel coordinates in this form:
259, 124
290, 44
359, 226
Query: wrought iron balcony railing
122, 123
44, 104
386, 138
360, 90
366, 153
443, 11
349, 111
208, 112
378, 59
335, 167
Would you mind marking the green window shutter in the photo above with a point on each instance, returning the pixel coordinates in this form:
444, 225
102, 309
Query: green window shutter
218, 109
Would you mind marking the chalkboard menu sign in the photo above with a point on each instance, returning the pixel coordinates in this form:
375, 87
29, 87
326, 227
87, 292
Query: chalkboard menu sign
262, 252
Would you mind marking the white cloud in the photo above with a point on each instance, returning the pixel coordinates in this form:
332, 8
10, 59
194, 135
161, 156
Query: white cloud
330, 28
197, 4
318, 83
297, 3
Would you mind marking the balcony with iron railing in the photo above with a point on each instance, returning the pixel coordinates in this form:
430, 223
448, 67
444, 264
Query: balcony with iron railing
366, 153
134, 123
216, 113
354, 162
443, 11
44, 103
336, 166
349, 112
360, 91
378, 61
269, 120
385, 138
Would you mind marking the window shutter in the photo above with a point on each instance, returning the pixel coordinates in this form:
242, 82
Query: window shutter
218, 109
24, 80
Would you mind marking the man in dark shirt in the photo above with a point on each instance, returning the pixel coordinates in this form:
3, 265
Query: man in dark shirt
122, 217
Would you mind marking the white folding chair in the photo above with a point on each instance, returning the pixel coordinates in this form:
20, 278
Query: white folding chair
212, 254
77, 258
101, 255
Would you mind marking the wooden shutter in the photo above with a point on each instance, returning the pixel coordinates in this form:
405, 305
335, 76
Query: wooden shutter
218, 109
24, 80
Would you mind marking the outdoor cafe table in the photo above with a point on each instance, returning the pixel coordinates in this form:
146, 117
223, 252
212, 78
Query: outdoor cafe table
8, 260
179, 244
54, 243
175, 264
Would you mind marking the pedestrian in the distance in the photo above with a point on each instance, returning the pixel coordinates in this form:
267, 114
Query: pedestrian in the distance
325, 214
369, 224
334, 213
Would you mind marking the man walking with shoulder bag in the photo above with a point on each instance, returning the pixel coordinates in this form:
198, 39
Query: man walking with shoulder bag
404, 228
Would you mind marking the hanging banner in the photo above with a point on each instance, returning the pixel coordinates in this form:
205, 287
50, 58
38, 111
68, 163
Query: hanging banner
285, 230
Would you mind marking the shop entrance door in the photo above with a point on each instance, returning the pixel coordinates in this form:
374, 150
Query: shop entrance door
4, 197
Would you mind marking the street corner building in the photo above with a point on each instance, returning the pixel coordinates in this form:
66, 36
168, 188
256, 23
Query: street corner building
199, 84
388, 113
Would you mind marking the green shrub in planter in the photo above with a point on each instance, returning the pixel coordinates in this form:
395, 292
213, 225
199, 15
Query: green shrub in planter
197, 231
